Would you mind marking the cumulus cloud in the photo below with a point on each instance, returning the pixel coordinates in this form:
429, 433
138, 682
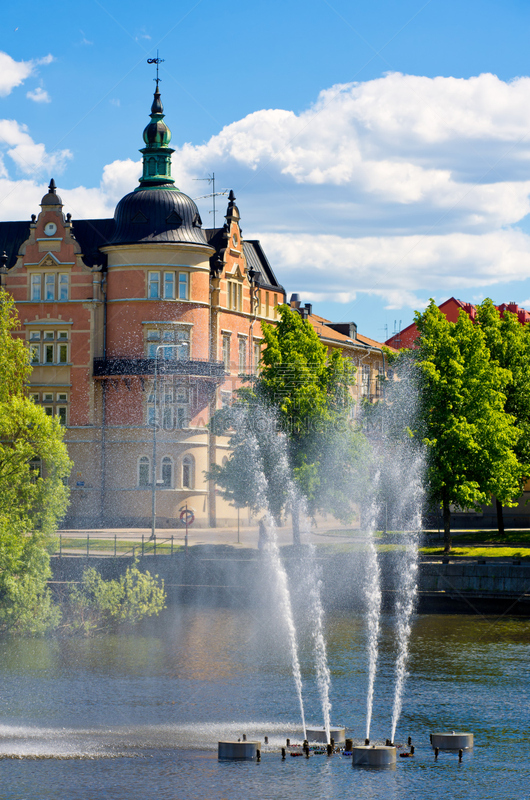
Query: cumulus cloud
39, 95
389, 187
398, 269
13, 73
27, 155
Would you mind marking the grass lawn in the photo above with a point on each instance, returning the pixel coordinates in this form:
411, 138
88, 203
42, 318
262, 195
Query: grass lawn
123, 546
480, 552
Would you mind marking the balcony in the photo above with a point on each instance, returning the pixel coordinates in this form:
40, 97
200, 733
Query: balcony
196, 367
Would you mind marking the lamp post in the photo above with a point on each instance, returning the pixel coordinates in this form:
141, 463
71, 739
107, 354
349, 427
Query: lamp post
154, 481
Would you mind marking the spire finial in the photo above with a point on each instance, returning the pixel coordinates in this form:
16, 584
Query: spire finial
157, 136
52, 187
156, 61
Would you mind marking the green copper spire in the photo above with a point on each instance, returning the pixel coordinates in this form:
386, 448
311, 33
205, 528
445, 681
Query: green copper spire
156, 153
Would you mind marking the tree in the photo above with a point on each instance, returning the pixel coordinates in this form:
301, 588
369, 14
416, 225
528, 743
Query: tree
461, 417
34, 466
508, 343
302, 393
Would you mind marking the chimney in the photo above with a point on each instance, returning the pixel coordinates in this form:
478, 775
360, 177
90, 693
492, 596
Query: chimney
294, 302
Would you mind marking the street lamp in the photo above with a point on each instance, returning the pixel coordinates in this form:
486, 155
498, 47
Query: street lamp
154, 481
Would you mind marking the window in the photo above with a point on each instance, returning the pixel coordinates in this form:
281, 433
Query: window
34, 336
52, 282
234, 295
257, 356
144, 471
153, 285
48, 335
63, 287
62, 398
48, 398
183, 286
365, 385
35, 287
62, 335
167, 472
187, 472
177, 341
226, 399
35, 397
62, 353
181, 419
48, 410
61, 413
169, 285
242, 355
34, 353
36, 469
226, 352
49, 286
48, 353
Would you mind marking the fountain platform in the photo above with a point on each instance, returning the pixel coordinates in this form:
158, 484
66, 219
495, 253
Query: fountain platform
452, 741
319, 735
238, 751
373, 755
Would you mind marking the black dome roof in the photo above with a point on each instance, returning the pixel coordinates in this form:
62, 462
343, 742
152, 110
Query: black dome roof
157, 215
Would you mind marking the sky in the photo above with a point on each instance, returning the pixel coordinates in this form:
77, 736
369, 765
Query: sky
380, 151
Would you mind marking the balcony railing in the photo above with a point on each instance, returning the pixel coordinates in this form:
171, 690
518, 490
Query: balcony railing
196, 367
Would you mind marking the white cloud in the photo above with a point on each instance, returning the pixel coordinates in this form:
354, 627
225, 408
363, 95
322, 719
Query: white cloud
401, 187
397, 269
29, 156
13, 73
39, 95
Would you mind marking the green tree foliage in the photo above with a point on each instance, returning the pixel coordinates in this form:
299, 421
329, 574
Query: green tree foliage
509, 345
34, 465
97, 604
461, 417
304, 393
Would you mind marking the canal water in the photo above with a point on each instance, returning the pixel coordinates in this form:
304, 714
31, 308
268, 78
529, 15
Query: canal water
138, 715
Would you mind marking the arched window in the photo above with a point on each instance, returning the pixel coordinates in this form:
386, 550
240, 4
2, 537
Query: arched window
151, 166
188, 469
167, 472
144, 471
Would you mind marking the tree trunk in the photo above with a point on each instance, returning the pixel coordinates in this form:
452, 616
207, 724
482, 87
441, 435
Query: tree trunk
295, 514
500, 517
447, 526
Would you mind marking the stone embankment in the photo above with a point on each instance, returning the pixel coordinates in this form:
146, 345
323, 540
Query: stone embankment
235, 577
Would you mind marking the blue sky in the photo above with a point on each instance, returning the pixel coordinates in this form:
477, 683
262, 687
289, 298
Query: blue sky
381, 151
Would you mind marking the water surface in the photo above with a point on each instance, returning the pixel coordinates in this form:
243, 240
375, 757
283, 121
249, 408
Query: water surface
138, 716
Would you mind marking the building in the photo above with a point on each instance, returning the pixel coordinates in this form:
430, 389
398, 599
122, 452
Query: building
366, 354
451, 309
119, 314
146, 316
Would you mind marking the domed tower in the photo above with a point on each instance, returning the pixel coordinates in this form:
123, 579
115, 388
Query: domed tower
156, 363
158, 258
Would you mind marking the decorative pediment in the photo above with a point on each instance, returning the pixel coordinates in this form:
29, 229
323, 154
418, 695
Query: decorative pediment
49, 260
236, 273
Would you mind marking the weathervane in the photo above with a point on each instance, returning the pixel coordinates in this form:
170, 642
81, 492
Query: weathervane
156, 61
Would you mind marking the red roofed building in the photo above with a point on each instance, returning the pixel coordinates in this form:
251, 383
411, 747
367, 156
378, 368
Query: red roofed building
451, 309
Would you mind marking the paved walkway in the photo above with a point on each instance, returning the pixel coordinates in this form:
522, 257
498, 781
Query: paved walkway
331, 532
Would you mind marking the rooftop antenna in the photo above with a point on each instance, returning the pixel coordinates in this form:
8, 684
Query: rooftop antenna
213, 194
156, 61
